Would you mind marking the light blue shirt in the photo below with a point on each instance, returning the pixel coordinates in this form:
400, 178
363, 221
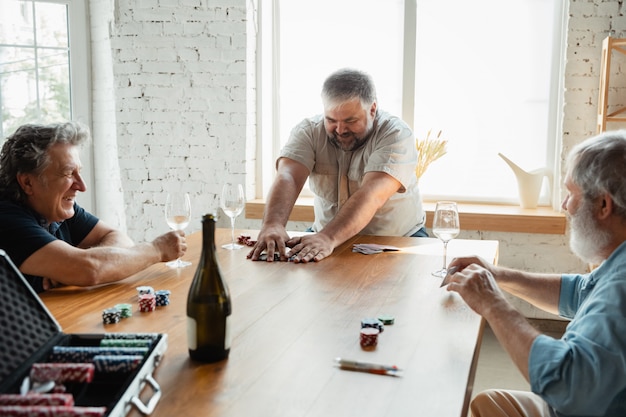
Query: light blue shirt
584, 372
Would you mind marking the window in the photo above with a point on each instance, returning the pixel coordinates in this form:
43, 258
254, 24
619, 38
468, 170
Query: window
43, 64
481, 72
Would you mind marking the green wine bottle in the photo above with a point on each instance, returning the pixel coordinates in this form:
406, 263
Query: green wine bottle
208, 303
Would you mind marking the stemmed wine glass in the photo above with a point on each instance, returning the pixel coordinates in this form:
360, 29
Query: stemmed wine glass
177, 215
446, 227
232, 203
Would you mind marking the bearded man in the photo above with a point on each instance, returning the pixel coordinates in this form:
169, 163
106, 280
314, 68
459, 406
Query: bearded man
584, 372
360, 162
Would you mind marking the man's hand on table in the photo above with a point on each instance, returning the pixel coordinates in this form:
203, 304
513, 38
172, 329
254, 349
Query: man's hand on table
307, 248
271, 240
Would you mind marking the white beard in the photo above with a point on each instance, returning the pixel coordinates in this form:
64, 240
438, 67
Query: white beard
587, 240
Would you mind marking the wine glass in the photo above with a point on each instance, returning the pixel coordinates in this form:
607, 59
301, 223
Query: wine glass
445, 227
232, 203
177, 216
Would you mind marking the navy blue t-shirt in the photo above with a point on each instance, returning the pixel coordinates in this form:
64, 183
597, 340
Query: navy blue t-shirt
23, 232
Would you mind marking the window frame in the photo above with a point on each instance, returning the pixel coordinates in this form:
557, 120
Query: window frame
80, 81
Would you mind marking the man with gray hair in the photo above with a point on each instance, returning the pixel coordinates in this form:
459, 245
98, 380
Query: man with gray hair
46, 233
360, 162
584, 372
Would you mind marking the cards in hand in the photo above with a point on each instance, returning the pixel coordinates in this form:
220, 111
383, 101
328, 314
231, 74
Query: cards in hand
446, 279
370, 248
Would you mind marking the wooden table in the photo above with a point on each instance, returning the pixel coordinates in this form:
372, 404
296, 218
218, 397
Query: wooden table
291, 320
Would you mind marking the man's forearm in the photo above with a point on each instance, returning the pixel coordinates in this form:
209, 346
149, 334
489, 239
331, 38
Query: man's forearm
541, 290
353, 216
102, 265
280, 202
117, 239
513, 332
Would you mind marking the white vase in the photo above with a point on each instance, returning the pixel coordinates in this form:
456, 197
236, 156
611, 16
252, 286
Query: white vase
528, 183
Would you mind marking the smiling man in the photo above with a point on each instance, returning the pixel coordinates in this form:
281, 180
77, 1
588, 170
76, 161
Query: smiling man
360, 162
46, 233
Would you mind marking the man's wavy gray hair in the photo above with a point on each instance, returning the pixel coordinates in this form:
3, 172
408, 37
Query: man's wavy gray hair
26, 151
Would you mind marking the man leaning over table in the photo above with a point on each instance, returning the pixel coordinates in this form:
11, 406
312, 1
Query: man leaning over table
360, 162
46, 233
584, 372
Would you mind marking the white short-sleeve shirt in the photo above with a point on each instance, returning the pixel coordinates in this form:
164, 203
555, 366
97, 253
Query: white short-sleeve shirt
390, 149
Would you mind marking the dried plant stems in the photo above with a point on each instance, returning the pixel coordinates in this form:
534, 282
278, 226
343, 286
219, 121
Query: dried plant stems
428, 151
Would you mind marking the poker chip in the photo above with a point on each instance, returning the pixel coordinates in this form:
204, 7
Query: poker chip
144, 289
126, 343
116, 363
126, 310
62, 372
37, 399
386, 319
148, 336
82, 354
111, 315
50, 411
162, 298
373, 323
147, 302
369, 336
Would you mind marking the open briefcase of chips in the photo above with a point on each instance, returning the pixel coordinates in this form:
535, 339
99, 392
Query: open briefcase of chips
45, 372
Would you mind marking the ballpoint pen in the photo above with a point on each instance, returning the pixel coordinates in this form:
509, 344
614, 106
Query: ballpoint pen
371, 368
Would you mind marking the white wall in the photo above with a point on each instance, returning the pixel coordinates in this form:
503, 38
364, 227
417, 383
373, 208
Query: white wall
184, 73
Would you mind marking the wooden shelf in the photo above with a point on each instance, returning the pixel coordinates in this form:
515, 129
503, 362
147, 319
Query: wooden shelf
483, 217
609, 45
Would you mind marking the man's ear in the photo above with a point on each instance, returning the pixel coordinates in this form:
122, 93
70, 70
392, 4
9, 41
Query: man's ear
26, 182
606, 206
373, 109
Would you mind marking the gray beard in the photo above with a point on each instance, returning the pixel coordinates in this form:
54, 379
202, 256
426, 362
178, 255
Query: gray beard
587, 240
358, 141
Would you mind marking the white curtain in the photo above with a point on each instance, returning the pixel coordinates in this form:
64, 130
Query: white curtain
108, 192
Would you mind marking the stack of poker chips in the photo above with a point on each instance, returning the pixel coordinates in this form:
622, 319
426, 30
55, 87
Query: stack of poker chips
113, 355
147, 302
371, 328
162, 298
62, 372
147, 298
37, 399
84, 354
369, 336
126, 310
111, 315
126, 343
120, 336
373, 323
116, 363
50, 411
144, 289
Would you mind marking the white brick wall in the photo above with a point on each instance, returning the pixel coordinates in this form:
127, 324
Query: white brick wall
181, 84
184, 72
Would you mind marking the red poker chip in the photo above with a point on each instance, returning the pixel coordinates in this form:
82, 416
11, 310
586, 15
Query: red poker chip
369, 336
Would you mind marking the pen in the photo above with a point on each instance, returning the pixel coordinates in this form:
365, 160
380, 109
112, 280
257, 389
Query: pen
371, 368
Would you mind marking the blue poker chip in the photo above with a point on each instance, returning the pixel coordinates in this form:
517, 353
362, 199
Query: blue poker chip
82, 354
373, 323
116, 363
162, 298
